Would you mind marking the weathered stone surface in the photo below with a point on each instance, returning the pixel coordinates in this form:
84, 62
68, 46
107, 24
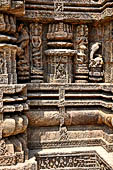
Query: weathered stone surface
56, 92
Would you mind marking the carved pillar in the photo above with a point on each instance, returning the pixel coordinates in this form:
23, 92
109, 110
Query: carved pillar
23, 64
1, 113
60, 54
13, 54
7, 49
2, 22
36, 53
107, 51
8, 60
81, 60
8, 64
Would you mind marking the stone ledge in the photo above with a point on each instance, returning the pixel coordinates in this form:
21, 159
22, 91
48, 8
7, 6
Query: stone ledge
30, 164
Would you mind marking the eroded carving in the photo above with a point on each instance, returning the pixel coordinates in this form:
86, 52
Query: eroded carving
96, 64
60, 58
36, 45
23, 63
62, 55
81, 60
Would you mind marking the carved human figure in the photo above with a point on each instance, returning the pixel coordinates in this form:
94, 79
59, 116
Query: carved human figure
23, 53
81, 56
8, 26
60, 71
23, 39
36, 41
13, 26
1, 63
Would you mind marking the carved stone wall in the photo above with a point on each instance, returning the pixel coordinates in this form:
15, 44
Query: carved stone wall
56, 92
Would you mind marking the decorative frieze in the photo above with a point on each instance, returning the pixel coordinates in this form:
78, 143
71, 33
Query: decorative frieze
88, 160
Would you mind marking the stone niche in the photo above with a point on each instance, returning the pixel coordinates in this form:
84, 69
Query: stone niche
56, 91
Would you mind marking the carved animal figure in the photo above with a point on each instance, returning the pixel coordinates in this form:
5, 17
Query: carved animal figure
97, 62
94, 49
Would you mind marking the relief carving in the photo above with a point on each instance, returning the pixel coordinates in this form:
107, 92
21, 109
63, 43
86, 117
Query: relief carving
96, 64
8, 23
58, 9
5, 2
2, 22
55, 104
79, 161
36, 56
3, 148
81, 59
2, 63
60, 58
23, 55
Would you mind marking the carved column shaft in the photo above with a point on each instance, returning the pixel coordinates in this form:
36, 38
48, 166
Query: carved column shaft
36, 53
60, 53
81, 59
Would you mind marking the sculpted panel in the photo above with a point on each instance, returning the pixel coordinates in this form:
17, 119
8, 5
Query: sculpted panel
56, 92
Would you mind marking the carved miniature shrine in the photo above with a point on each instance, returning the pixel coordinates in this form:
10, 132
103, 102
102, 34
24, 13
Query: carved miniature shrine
56, 84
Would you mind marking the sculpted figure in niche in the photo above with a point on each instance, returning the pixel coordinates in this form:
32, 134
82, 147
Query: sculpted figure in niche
36, 38
60, 71
8, 26
1, 63
94, 49
96, 60
81, 56
36, 41
96, 73
13, 26
23, 53
23, 39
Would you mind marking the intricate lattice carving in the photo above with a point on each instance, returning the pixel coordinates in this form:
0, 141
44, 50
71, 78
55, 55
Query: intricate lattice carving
80, 160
